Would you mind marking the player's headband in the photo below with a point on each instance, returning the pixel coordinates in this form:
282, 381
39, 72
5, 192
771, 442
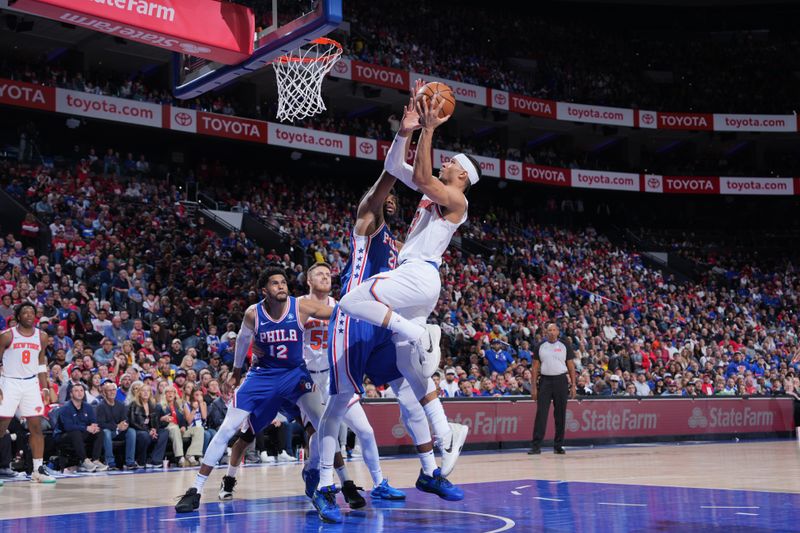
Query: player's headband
467, 165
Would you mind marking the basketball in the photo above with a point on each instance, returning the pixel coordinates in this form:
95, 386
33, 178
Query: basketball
429, 90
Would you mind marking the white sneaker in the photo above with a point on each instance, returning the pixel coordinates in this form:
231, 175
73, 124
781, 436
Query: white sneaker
430, 358
87, 466
99, 467
42, 475
182, 462
285, 457
270, 459
452, 449
356, 451
192, 461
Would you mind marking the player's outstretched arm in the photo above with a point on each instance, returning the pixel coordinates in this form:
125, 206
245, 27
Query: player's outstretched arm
395, 163
311, 308
370, 210
423, 168
243, 341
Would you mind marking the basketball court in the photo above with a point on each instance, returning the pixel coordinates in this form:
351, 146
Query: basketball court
731, 486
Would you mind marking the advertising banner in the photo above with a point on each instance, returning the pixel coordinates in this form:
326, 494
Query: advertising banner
599, 179
23, 94
304, 139
219, 31
109, 108
599, 419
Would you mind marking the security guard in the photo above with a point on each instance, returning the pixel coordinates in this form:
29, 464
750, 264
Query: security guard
552, 359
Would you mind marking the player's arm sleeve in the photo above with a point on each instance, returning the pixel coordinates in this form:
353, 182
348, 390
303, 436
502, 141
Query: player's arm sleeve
395, 163
243, 341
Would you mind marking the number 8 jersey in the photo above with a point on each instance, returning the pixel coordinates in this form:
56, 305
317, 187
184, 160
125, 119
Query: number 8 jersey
21, 358
278, 343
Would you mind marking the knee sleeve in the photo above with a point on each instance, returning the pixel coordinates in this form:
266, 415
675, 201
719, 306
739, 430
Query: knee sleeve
411, 413
311, 407
408, 365
246, 436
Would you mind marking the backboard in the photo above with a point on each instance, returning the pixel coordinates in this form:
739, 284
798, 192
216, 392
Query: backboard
281, 26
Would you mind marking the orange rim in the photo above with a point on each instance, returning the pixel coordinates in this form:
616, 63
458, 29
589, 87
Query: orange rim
324, 58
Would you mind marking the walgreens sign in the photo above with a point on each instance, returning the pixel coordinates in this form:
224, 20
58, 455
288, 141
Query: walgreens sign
219, 31
599, 419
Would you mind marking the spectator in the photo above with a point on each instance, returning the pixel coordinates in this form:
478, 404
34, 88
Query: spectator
151, 433
173, 413
77, 429
112, 417
105, 355
449, 385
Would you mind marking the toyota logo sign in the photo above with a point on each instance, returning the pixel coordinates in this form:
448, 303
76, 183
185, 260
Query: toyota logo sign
500, 98
653, 183
513, 170
183, 118
340, 67
366, 147
648, 118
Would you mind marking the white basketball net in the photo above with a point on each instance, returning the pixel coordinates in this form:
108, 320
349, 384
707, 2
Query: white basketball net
299, 75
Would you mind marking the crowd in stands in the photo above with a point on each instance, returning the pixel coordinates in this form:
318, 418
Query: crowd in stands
380, 124
586, 59
135, 292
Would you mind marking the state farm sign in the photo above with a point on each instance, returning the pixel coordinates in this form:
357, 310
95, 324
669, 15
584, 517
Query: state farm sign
600, 419
219, 31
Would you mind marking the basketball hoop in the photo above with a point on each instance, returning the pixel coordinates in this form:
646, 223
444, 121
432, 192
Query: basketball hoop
299, 75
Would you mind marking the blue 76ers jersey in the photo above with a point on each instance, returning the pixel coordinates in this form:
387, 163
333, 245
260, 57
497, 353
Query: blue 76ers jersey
369, 256
278, 343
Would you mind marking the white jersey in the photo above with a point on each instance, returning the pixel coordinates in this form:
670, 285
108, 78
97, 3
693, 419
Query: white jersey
315, 342
21, 358
430, 233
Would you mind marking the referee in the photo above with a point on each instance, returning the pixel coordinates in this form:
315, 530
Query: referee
552, 359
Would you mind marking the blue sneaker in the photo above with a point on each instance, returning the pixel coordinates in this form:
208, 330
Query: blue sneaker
384, 491
324, 501
439, 485
311, 479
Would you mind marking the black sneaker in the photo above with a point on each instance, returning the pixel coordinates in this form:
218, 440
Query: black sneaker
189, 502
352, 496
226, 489
559, 450
534, 451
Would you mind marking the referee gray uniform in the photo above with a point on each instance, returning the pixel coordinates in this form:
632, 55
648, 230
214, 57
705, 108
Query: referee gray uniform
553, 386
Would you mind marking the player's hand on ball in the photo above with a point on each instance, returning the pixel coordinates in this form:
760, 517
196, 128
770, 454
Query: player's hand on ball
429, 111
410, 121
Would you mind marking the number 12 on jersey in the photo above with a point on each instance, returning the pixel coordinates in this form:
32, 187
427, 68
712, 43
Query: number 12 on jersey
279, 351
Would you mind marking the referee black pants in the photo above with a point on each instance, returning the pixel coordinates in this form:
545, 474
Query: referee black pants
551, 389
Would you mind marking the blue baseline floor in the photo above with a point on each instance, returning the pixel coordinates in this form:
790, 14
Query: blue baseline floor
528, 506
